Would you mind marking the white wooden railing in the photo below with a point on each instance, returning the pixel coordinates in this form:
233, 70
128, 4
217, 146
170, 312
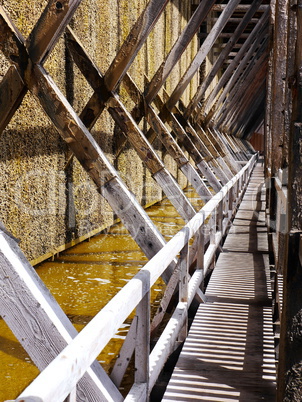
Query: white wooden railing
57, 382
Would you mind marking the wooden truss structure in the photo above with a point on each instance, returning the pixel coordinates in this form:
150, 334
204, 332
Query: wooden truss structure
212, 129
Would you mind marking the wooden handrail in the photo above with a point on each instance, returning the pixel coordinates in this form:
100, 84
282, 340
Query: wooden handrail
60, 378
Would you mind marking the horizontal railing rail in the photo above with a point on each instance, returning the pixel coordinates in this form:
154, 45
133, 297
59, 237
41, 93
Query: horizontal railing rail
59, 379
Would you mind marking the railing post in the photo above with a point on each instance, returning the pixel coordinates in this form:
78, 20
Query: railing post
219, 217
142, 347
200, 254
183, 287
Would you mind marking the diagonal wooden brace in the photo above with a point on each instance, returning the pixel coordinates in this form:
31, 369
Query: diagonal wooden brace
129, 127
168, 141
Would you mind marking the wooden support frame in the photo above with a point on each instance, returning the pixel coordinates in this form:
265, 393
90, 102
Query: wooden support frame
129, 127
177, 50
171, 145
253, 38
220, 60
237, 87
202, 53
190, 141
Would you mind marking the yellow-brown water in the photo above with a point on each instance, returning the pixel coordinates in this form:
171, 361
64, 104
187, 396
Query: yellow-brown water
83, 279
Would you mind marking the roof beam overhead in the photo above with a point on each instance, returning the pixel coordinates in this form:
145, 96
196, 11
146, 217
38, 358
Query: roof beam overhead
202, 53
240, 60
220, 60
177, 50
241, 81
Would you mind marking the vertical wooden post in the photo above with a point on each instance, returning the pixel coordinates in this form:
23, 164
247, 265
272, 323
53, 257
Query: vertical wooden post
142, 347
183, 287
290, 360
279, 82
200, 253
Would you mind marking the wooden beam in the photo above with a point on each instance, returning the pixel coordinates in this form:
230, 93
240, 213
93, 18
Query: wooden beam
222, 56
43, 38
39, 323
254, 35
238, 84
248, 58
177, 50
250, 99
129, 127
241, 7
168, 141
279, 84
289, 385
123, 59
49, 27
202, 53
190, 140
12, 91
91, 157
133, 43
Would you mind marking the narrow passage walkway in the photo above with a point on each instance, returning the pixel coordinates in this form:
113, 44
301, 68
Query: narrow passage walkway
229, 353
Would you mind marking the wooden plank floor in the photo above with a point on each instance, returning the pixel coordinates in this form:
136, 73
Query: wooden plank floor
229, 353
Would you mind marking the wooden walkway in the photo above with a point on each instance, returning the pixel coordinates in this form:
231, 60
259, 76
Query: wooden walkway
229, 353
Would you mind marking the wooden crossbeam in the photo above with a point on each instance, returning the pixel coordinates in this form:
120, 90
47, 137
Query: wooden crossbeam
194, 145
246, 89
246, 64
202, 53
241, 7
133, 43
129, 127
221, 58
123, 59
85, 148
257, 31
171, 145
41, 41
177, 50
211, 147
205, 147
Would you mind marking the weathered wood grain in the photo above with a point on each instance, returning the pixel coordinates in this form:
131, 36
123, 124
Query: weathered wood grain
202, 53
37, 320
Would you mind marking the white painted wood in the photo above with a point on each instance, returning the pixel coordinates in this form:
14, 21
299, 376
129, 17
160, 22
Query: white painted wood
165, 345
135, 219
72, 397
224, 167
